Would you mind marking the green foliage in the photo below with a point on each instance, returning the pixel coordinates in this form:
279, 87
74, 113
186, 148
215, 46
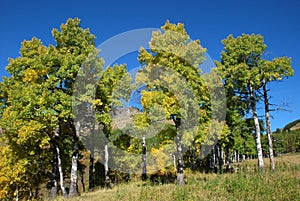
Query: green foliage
24, 122
286, 142
174, 81
239, 61
113, 89
37, 98
277, 69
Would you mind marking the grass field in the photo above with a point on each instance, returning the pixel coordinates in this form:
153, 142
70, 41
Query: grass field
247, 184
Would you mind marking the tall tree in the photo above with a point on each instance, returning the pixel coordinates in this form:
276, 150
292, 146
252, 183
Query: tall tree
84, 100
23, 122
240, 68
113, 87
171, 56
272, 71
73, 44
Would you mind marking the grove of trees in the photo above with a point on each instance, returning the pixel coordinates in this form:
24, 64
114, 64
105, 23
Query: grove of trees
42, 152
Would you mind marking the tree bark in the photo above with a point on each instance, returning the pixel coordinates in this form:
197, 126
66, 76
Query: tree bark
180, 175
59, 164
234, 157
144, 167
106, 168
212, 158
61, 174
257, 130
216, 158
268, 123
17, 194
174, 161
54, 178
220, 159
73, 185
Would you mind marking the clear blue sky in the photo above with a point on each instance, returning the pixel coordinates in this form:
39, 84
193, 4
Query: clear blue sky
210, 21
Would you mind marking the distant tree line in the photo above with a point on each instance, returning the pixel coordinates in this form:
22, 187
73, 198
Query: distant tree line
285, 142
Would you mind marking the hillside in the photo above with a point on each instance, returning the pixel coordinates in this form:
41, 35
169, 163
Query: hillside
295, 125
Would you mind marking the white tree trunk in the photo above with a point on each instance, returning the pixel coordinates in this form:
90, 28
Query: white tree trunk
106, 173
223, 156
59, 165
268, 123
174, 161
180, 175
17, 194
220, 159
213, 157
73, 185
61, 174
106, 159
235, 157
257, 130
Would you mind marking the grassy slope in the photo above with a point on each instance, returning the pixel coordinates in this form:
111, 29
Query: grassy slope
283, 184
292, 126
